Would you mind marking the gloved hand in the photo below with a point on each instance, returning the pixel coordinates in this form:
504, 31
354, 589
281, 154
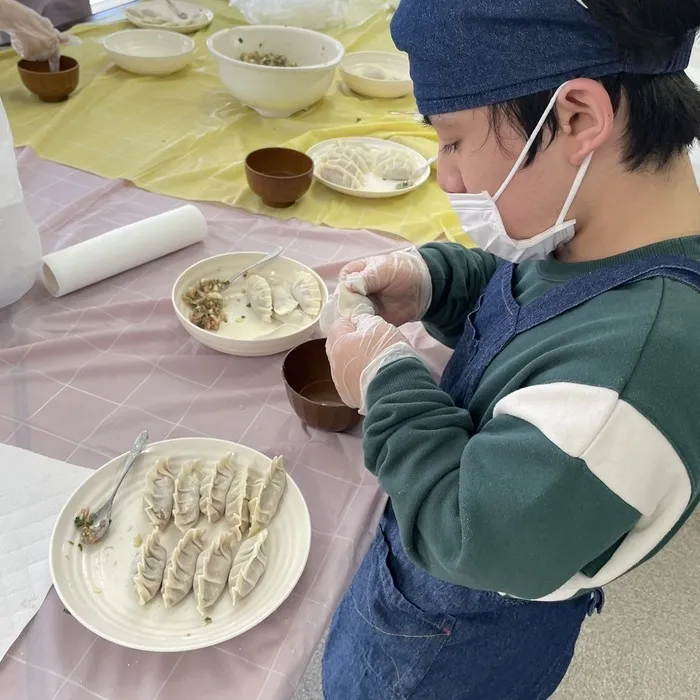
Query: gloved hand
357, 349
399, 284
33, 37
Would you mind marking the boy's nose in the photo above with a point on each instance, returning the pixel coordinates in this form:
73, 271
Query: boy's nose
449, 178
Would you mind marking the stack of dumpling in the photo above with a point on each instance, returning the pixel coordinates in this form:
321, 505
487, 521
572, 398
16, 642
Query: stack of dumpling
295, 303
346, 165
236, 557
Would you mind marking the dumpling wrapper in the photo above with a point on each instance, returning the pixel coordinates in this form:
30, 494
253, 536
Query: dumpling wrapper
180, 571
248, 567
344, 303
259, 295
213, 569
265, 496
158, 493
307, 291
187, 495
215, 486
237, 513
149, 565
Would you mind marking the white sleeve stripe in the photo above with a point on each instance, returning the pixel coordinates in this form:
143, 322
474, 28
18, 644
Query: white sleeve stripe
627, 452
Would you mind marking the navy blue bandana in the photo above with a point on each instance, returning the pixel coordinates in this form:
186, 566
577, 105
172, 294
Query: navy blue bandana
472, 53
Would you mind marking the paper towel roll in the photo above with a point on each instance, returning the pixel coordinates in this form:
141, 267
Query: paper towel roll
122, 249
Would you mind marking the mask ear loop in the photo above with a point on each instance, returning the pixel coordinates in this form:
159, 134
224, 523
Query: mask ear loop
574, 188
530, 141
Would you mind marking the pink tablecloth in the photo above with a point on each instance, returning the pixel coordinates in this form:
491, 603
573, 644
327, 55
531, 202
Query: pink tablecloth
80, 376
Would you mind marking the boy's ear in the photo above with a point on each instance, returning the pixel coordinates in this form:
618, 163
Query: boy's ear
586, 116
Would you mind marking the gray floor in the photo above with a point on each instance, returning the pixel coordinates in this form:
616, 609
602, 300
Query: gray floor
645, 646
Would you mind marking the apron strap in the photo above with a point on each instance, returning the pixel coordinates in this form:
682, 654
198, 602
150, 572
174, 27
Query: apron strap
577, 291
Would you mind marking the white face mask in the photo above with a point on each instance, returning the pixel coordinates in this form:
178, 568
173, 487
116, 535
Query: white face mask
482, 222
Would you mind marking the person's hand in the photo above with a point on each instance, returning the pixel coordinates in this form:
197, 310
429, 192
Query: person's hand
33, 37
357, 348
399, 284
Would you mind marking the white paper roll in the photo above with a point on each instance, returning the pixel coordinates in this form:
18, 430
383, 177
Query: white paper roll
122, 249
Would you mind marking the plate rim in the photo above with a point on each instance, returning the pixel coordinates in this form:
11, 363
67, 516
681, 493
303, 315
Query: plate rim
369, 194
184, 646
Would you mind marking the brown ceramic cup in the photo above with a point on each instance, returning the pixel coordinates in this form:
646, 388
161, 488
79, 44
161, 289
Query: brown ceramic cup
279, 176
311, 392
47, 86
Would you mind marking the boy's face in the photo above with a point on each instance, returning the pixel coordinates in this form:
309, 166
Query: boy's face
474, 159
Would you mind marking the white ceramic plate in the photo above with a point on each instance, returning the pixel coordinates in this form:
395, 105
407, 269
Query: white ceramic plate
161, 8
389, 146
95, 584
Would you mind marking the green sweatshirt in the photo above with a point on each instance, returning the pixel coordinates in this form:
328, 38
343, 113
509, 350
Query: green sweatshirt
578, 456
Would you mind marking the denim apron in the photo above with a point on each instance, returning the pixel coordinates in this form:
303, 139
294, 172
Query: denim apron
402, 634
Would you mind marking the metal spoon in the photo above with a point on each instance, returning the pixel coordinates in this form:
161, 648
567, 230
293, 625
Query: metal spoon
270, 256
416, 173
98, 522
174, 8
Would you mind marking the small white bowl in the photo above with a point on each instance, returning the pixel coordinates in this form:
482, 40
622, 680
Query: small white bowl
150, 51
276, 91
225, 266
378, 74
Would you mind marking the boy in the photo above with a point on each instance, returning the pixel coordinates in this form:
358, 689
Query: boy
561, 448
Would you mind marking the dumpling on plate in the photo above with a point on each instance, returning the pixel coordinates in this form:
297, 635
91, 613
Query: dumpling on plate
295, 318
179, 573
352, 156
187, 495
158, 494
260, 297
265, 496
213, 568
397, 166
342, 174
283, 301
215, 486
237, 513
307, 291
375, 72
248, 566
148, 567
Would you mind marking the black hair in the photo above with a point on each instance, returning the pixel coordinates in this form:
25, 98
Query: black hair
663, 110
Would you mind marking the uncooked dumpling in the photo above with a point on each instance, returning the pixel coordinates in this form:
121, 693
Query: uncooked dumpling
179, 574
307, 292
265, 496
213, 568
158, 494
186, 501
341, 174
376, 73
237, 514
148, 567
397, 166
283, 301
260, 297
248, 566
350, 154
215, 486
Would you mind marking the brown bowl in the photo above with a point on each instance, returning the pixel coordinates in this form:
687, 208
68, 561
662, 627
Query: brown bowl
310, 389
279, 176
47, 86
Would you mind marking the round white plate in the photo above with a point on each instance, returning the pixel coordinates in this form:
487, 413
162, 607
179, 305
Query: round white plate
389, 146
162, 8
95, 584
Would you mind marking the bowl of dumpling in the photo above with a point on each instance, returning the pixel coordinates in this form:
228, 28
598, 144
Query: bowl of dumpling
267, 311
379, 74
277, 71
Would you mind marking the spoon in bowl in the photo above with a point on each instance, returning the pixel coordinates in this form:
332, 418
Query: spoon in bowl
270, 256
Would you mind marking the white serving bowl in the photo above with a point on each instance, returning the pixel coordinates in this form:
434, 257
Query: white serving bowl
225, 266
150, 51
393, 64
275, 91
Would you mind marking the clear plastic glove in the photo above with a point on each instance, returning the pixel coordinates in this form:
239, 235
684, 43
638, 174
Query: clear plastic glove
399, 284
357, 349
33, 37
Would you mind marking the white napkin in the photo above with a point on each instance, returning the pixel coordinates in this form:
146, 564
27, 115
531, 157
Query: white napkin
33, 489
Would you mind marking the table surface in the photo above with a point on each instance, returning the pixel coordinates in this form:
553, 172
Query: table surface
81, 375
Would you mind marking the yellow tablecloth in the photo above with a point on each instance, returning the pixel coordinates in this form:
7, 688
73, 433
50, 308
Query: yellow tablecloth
185, 136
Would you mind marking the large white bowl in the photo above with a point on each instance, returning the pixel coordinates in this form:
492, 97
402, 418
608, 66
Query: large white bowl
150, 51
225, 266
274, 91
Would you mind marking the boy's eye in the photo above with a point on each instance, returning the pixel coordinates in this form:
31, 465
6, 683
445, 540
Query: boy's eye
449, 148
